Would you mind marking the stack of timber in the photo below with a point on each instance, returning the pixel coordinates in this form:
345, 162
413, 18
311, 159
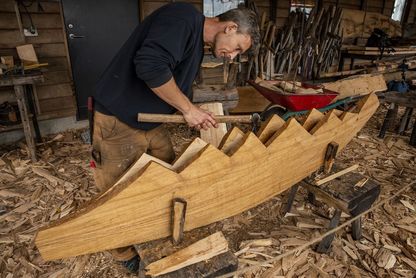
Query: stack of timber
30, 200
357, 24
308, 45
357, 85
246, 170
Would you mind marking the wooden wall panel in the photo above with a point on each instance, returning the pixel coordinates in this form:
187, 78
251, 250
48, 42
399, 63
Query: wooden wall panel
48, 7
57, 104
56, 93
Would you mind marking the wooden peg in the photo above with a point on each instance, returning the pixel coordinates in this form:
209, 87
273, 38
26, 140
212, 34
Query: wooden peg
178, 219
331, 152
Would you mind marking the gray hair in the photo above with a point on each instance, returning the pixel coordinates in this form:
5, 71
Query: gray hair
247, 24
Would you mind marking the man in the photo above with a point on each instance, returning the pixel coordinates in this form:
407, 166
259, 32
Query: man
153, 73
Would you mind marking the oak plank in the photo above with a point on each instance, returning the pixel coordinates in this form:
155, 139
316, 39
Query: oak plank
202, 250
231, 140
272, 125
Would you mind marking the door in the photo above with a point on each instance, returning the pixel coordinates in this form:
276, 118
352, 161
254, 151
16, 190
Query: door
95, 31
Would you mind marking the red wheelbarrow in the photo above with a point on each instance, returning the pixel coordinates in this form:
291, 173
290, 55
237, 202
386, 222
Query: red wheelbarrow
283, 103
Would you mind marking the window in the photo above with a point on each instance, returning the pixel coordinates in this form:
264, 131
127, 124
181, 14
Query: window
398, 9
305, 6
215, 7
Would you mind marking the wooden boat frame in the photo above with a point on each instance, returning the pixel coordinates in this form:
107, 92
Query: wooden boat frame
245, 171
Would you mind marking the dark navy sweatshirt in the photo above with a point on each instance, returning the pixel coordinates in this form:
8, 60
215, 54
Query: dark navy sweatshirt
168, 43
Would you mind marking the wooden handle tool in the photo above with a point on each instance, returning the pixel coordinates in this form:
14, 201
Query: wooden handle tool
166, 118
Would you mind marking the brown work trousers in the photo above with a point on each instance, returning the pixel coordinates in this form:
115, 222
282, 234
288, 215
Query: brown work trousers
118, 147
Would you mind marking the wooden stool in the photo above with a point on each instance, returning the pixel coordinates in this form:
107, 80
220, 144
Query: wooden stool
343, 194
396, 99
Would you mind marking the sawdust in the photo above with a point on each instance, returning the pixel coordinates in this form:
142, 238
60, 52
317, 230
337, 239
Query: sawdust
32, 194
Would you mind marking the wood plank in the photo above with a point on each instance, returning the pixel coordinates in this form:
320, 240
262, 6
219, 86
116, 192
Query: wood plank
202, 250
12, 38
313, 117
249, 101
54, 91
214, 135
56, 63
178, 219
270, 127
215, 186
357, 85
43, 21
8, 21
186, 157
328, 122
231, 140
51, 50
357, 23
336, 175
47, 7
188, 154
56, 77
56, 104
139, 165
27, 54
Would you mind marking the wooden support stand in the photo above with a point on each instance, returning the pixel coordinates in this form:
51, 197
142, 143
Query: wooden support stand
330, 154
342, 194
18, 82
178, 219
396, 99
208, 257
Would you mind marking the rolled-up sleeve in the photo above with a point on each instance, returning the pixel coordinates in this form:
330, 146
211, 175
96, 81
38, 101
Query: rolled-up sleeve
161, 51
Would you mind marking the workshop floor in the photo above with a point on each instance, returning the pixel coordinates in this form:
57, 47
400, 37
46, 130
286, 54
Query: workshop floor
32, 194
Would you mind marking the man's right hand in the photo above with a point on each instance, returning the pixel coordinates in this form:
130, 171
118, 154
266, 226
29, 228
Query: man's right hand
199, 118
194, 116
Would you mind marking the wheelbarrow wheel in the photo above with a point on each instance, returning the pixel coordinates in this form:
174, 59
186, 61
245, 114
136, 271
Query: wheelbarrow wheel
271, 110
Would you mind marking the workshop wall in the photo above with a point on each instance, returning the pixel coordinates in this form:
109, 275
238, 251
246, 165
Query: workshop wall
379, 6
54, 97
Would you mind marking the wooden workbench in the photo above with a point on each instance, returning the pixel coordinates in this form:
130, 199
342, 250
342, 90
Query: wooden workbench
18, 83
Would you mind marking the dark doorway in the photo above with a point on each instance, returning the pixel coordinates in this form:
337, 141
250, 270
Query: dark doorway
95, 31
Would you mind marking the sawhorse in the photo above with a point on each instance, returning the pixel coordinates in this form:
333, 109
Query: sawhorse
343, 193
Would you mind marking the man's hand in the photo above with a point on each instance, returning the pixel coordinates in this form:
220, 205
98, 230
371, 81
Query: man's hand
199, 118
194, 116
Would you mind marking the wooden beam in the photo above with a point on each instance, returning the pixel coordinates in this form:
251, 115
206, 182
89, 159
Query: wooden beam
178, 219
330, 154
214, 185
357, 85
202, 250
336, 175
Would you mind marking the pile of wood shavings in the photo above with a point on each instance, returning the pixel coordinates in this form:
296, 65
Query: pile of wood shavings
33, 194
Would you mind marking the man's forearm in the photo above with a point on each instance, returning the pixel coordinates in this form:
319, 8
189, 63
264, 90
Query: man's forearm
194, 116
170, 93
